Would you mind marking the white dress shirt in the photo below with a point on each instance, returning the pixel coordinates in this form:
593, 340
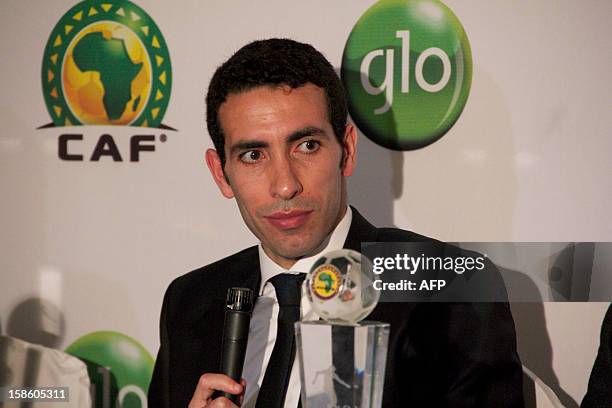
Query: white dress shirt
262, 331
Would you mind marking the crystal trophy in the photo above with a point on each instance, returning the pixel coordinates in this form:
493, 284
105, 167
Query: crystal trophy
342, 360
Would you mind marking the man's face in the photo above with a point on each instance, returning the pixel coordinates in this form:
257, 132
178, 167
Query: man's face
283, 167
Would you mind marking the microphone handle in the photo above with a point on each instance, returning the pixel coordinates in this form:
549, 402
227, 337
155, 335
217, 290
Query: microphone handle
235, 336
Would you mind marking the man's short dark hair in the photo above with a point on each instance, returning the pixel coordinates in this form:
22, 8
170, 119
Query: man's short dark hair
274, 62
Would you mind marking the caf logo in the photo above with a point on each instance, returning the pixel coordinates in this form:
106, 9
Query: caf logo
326, 282
106, 63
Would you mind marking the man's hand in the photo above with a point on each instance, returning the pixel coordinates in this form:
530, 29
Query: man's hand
208, 384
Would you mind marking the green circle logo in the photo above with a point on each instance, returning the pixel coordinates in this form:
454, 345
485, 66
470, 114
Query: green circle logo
407, 68
106, 63
119, 368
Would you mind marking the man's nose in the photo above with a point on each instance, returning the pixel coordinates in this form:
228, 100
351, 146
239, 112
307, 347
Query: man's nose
285, 181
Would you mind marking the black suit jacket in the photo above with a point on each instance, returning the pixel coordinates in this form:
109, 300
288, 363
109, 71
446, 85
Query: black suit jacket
599, 393
440, 354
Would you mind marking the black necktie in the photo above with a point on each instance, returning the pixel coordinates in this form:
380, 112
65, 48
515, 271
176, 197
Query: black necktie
274, 385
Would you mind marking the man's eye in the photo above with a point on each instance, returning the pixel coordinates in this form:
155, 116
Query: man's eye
309, 146
252, 156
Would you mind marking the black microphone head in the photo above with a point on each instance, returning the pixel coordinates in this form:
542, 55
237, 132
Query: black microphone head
239, 299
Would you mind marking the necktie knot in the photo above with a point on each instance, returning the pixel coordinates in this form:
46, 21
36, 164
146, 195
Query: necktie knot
288, 288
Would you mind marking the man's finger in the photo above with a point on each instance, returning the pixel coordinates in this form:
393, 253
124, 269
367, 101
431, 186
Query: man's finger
241, 398
221, 402
208, 383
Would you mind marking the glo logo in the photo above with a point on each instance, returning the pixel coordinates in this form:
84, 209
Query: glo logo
407, 68
119, 369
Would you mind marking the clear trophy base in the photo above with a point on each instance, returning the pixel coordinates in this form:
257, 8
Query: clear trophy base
342, 366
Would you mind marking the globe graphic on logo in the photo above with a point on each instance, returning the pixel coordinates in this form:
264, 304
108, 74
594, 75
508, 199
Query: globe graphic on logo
106, 75
340, 287
106, 63
119, 368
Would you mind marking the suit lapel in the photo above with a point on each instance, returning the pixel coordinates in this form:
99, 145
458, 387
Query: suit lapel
360, 231
242, 271
246, 272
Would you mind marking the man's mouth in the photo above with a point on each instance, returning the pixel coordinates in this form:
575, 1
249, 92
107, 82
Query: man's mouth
288, 219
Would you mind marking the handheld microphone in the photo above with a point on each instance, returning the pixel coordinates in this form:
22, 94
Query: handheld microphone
239, 304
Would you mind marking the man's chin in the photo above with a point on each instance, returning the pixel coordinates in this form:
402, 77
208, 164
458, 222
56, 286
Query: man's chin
296, 252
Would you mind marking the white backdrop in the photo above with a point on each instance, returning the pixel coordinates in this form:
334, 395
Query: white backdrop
528, 160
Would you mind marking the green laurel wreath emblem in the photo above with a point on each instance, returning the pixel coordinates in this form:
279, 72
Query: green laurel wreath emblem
112, 74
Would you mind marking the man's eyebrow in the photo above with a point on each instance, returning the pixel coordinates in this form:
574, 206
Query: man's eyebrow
306, 132
297, 135
248, 145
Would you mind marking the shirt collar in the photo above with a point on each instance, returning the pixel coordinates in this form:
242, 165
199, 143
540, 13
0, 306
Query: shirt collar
270, 269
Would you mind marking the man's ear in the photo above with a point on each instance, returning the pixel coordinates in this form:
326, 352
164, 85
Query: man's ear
349, 145
214, 165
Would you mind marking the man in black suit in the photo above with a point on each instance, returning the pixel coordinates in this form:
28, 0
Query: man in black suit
277, 114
